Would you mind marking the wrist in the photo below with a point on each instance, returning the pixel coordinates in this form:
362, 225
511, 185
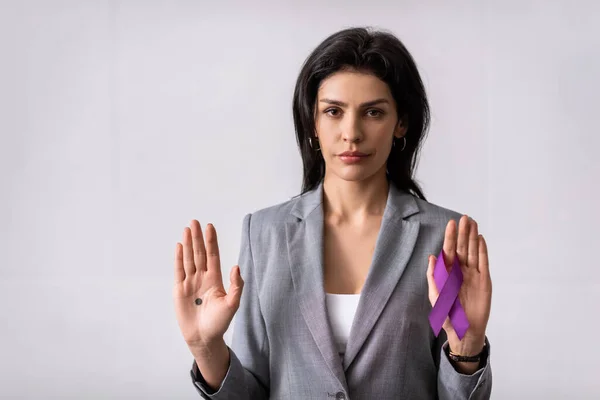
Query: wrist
467, 346
212, 361
209, 349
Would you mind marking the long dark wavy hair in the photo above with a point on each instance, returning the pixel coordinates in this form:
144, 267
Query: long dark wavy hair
379, 53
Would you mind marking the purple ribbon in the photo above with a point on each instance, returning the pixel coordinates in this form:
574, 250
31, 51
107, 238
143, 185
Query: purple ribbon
448, 303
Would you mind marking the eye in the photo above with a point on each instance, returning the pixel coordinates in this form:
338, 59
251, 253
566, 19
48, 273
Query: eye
334, 112
374, 113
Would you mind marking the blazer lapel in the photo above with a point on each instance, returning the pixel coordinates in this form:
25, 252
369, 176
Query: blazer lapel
305, 251
393, 249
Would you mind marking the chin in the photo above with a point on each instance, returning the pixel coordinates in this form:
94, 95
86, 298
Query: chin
355, 175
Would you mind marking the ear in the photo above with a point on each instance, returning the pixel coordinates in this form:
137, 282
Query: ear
401, 128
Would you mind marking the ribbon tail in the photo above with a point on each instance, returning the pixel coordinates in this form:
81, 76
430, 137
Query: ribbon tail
459, 320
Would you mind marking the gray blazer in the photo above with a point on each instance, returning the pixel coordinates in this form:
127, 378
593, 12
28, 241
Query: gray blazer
282, 346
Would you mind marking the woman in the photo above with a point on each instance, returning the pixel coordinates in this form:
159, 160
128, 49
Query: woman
338, 283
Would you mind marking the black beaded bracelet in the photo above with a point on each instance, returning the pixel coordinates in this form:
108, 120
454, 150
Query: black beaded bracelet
458, 358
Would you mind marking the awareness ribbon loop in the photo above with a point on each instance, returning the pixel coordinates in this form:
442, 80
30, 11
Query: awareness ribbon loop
448, 303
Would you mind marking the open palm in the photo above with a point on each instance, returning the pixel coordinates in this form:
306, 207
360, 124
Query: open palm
198, 275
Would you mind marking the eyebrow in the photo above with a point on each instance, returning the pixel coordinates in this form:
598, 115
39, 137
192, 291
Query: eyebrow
342, 104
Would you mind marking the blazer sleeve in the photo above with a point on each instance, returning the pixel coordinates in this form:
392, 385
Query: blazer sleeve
452, 385
248, 375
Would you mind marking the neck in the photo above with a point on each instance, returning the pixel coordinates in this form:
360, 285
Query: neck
354, 201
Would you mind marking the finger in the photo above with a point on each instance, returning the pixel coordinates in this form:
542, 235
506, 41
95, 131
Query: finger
448, 326
179, 271
213, 261
188, 253
484, 265
462, 244
198, 246
473, 253
433, 290
235, 289
450, 244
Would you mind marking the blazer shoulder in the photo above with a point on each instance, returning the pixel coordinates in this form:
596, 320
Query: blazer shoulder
430, 212
272, 215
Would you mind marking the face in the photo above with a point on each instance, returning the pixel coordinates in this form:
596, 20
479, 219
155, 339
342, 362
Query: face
356, 121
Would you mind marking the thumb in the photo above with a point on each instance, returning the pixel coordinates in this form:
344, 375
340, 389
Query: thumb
433, 290
235, 289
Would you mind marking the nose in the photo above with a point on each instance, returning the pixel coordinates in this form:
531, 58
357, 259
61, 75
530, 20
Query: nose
351, 131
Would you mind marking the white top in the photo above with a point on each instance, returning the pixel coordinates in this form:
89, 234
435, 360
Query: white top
340, 311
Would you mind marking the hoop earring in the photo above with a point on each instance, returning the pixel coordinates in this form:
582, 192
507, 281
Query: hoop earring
403, 145
311, 143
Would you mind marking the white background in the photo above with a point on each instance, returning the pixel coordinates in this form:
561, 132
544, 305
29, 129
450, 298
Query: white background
122, 120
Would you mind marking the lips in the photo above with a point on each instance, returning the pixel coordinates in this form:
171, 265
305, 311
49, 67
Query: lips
352, 157
353, 154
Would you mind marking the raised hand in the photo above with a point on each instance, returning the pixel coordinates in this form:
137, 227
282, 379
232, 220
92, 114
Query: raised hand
476, 291
198, 276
